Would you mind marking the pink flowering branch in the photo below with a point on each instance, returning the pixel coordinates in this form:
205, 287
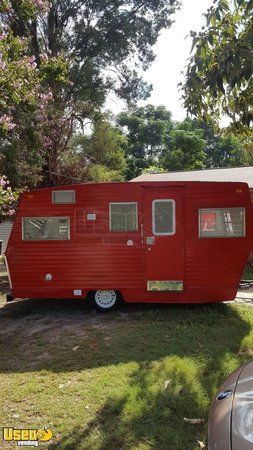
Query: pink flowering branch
8, 199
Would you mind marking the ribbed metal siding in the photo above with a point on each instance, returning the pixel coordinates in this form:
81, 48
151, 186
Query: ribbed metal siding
214, 262
94, 258
5, 231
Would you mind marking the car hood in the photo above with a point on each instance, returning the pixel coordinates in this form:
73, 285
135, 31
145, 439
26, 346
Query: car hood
242, 411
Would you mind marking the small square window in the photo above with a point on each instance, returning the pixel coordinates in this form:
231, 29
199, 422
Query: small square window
123, 217
63, 197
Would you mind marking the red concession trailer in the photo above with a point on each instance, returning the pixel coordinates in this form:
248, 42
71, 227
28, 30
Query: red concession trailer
163, 242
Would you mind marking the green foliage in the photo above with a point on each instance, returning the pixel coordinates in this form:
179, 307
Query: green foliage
227, 152
219, 74
79, 52
223, 148
18, 81
185, 150
102, 174
153, 169
8, 199
54, 71
155, 143
147, 130
99, 157
248, 149
21, 110
25, 96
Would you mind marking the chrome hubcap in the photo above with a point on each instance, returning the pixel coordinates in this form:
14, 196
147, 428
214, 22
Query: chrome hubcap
105, 299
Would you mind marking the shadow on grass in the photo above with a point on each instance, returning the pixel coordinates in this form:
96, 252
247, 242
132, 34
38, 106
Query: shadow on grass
191, 346
151, 420
137, 333
200, 344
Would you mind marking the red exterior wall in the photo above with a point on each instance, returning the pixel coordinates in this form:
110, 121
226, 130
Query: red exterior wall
95, 258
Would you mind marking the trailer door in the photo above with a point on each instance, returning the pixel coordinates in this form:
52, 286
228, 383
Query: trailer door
163, 239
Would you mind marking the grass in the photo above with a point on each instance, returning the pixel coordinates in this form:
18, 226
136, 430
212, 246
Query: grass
110, 393
248, 273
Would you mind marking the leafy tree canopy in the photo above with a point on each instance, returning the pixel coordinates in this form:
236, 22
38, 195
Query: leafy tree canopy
79, 51
188, 145
147, 129
219, 74
99, 157
185, 150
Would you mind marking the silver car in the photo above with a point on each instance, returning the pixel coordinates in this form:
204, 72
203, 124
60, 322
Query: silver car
231, 414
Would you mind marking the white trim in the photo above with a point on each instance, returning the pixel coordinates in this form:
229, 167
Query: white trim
45, 217
8, 271
219, 236
64, 203
164, 200
136, 212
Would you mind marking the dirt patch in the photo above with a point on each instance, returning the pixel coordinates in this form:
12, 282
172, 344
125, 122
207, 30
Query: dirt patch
52, 319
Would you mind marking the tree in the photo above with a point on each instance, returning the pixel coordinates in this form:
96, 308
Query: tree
219, 74
147, 129
82, 51
247, 151
99, 157
222, 147
185, 150
24, 101
153, 169
8, 199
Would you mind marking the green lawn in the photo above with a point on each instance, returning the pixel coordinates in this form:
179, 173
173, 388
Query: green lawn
110, 393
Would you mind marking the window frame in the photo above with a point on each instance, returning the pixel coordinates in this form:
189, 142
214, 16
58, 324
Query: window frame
61, 191
45, 217
217, 209
164, 200
110, 217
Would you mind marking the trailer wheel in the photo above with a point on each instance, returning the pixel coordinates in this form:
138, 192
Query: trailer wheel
104, 300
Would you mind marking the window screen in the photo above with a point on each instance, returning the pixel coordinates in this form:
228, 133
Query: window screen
224, 222
163, 212
63, 197
123, 217
45, 228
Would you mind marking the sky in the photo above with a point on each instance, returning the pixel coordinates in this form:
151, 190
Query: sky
172, 50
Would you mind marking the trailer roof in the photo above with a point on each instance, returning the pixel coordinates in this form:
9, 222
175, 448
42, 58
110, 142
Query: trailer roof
239, 174
153, 180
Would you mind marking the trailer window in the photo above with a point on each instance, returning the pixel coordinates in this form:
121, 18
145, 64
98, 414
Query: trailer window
63, 197
45, 228
163, 217
223, 222
123, 216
